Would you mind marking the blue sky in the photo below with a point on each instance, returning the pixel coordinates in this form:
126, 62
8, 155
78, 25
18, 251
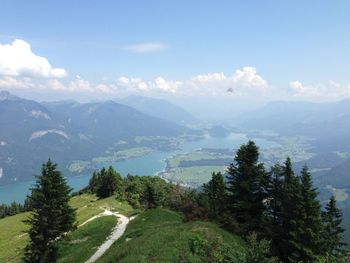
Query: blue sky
302, 42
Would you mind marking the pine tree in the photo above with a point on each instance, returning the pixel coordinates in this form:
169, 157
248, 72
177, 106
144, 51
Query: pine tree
275, 198
332, 233
51, 215
109, 183
215, 192
310, 218
289, 245
247, 185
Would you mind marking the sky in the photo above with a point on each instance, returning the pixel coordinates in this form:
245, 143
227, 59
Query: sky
236, 51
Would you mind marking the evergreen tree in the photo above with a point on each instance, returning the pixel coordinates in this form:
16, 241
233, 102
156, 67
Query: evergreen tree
94, 182
275, 198
247, 186
332, 233
109, 183
215, 193
310, 218
51, 216
289, 246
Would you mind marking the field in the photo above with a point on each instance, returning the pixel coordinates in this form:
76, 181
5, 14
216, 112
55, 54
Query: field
13, 239
195, 168
161, 236
193, 176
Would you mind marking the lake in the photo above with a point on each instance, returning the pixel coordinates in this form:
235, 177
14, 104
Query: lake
146, 165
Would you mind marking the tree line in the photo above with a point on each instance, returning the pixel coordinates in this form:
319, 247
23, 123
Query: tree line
276, 205
14, 208
275, 211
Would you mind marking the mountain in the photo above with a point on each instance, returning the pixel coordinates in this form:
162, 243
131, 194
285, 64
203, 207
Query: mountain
159, 108
326, 123
31, 132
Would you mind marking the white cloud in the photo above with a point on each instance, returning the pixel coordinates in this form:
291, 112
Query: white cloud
80, 86
9, 82
166, 85
241, 82
132, 84
247, 77
17, 59
146, 47
245, 81
329, 91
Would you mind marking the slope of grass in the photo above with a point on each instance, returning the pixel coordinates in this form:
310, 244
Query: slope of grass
83, 243
88, 205
12, 236
161, 236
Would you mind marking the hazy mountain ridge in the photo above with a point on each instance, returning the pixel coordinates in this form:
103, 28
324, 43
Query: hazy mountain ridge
159, 108
31, 132
325, 123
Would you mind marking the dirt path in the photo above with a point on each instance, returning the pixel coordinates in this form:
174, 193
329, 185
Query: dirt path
117, 232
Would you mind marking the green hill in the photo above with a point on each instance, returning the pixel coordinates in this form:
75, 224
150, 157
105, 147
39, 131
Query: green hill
157, 235
160, 235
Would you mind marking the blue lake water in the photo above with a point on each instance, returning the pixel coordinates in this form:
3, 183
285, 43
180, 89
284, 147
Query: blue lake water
146, 165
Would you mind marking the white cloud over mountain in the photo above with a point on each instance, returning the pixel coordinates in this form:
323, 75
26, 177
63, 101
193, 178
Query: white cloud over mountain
20, 68
329, 91
17, 59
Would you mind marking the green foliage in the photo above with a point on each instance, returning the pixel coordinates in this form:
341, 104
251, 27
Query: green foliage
288, 240
310, 215
215, 194
51, 217
258, 251
247, 185
108, 182
332, 233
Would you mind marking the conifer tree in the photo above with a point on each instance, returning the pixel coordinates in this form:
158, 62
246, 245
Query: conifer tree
310, 218
332, 233
247, 185
275, 197
289, 245
51, 215
109, 183
215, 192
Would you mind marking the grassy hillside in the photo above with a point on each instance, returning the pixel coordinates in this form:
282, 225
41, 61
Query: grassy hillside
13, 239
83, 243
161, 236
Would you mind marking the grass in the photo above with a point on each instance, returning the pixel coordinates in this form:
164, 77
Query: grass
83, 243
161, 236
12, 236
89, 205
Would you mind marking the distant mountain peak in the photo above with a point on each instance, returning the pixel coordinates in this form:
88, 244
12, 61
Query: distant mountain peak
5, 95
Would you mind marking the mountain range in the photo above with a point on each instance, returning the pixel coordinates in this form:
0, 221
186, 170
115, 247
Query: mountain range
30, 131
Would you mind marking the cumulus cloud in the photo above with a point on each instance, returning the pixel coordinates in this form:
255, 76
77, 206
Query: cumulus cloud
329, 91
9, 82
17, 59
167, 86
80, 86
241, 82
146, 47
